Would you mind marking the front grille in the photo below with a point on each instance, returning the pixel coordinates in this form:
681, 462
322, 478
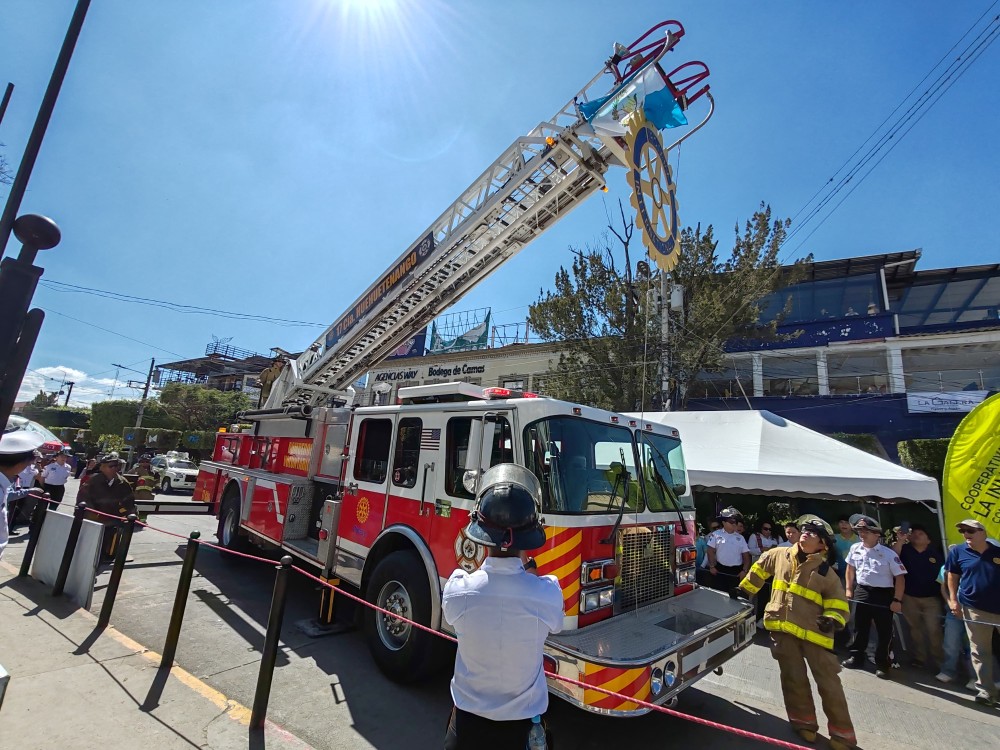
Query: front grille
645, 556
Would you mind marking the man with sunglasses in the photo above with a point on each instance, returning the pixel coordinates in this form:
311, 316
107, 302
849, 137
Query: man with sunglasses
876, 578
973, 578
807, 605
728, 552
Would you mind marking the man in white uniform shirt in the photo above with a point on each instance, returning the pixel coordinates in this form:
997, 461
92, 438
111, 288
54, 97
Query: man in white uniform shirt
54, 477
501, 614
728, 553
875, 581
17, 450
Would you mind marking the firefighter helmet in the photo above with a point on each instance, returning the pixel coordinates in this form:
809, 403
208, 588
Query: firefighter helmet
729, 514
507, 510
861, 522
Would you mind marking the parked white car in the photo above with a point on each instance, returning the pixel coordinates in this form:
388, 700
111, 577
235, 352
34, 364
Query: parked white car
174, 473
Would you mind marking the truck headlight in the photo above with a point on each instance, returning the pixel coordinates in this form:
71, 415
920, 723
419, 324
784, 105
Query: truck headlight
598, 599
686, 576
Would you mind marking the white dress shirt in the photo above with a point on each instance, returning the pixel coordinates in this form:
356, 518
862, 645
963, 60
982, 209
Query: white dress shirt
759, 544
502, 616
27, 477
729, 548
56, 473
5, 488
875, 566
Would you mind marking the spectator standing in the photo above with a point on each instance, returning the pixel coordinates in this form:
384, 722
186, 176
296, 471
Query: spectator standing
801, 616
845, 539
955, 646
26, 479
922, 599
108, 492
17, 451
791, 535
728, 553
973, 576
501, 614
762, 540
54, 477
875, 581
89, 470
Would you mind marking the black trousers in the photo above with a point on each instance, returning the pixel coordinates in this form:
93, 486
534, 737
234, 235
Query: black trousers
727, 578
872, 607
471, 732
56, 491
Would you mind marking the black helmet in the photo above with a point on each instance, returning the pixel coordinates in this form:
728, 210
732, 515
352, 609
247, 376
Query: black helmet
729, 514
507, 507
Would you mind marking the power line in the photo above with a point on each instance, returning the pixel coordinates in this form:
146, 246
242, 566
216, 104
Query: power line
114, 333
60, 286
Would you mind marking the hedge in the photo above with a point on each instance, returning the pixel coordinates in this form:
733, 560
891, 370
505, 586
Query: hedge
198, 440
113, 417
162, 439
57, 416
862, 441
924, 456
135, 437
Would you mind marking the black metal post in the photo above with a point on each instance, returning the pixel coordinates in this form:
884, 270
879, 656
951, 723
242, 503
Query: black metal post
180, 601
270, 652
116, 572
34, 531
67, 558
31, 149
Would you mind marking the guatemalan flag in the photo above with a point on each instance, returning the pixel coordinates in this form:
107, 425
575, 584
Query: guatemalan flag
645, 89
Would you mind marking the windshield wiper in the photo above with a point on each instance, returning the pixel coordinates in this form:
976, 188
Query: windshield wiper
668, 490
623, 478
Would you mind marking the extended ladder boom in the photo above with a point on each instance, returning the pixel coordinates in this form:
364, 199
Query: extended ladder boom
537, 180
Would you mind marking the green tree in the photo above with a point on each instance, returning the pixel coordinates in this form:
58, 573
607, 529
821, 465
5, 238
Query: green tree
195, 407
112, 417
43, 399
605, 313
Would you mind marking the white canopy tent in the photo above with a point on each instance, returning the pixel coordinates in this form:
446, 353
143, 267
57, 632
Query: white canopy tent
758, 452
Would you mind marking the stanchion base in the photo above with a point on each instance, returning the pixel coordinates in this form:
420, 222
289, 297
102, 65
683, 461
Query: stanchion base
315, 629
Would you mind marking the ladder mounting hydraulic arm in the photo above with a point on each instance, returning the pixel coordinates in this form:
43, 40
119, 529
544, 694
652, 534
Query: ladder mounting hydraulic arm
537, 180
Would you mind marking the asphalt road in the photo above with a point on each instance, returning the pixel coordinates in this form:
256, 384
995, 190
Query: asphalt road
329, 692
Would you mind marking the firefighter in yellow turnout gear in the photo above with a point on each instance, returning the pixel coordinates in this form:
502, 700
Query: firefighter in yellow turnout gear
807, 605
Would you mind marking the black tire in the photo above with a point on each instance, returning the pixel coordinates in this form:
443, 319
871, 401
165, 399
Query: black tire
403, 653
165, 486
229, 524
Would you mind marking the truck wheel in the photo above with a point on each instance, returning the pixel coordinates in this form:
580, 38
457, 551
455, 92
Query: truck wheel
229, 525
403, 653
166, 486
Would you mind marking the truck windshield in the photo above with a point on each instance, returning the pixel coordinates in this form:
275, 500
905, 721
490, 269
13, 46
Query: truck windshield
583, 466
662, 463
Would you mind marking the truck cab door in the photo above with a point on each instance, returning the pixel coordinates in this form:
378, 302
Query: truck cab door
367, 478
470, 444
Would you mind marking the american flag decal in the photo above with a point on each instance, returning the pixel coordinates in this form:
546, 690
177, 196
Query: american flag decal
430, 440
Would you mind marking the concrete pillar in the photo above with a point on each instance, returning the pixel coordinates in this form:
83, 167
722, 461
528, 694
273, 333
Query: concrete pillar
897, 380
757, 362
822, 374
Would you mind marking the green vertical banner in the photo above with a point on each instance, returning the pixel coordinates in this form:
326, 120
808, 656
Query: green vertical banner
971, 484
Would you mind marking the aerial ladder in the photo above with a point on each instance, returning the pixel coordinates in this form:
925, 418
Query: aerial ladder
537, 180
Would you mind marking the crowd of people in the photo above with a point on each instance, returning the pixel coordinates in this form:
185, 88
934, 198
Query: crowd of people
942, 608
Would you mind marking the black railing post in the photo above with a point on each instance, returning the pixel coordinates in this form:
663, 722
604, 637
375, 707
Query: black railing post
116, 572
67, 558
180, 601
34, 531
270, 653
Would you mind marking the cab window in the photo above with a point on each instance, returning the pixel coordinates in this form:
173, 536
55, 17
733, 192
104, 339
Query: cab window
407, 455
457, 446
371, 463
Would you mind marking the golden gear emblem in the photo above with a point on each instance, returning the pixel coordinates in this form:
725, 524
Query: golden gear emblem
468, 554
654, 194
363, 510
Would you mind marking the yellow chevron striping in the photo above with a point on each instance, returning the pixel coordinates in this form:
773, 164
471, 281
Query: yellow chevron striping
558, 551
570, 568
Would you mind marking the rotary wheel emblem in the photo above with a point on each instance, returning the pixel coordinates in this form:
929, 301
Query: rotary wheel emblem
363, 510
654, 194
468, 554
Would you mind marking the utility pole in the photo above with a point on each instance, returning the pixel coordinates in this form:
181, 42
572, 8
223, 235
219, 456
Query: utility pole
70, 391
145, 394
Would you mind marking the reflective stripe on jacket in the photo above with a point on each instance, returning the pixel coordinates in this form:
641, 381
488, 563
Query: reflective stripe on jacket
800, 593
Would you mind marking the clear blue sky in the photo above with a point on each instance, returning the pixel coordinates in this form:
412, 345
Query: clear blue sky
274, 157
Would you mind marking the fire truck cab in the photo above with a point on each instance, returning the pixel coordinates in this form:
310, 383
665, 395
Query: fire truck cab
378, 497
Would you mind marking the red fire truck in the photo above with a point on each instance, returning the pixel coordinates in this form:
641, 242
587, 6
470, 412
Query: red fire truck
377, 497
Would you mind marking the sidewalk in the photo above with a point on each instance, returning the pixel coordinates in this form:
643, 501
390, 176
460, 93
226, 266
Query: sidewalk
74, 686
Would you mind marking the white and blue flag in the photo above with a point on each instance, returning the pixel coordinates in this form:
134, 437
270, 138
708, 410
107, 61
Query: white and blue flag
646, 90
